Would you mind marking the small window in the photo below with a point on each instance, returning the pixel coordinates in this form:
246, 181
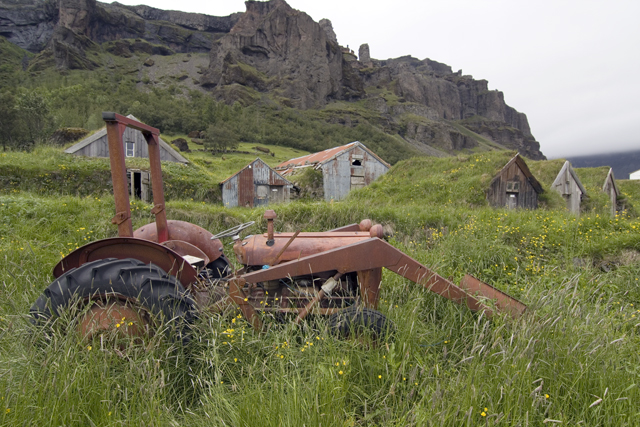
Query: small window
262, 191
513, 187
356, 163
130, 149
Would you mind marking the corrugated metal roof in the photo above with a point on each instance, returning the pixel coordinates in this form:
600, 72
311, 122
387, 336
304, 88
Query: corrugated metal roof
322, 157
258, 159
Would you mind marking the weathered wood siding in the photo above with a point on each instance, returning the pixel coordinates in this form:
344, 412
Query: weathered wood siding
100, 147
568, 187
344, 174
610, 189
255, 185
525, 198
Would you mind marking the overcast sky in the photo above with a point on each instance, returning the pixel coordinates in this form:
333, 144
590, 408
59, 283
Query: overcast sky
572, 66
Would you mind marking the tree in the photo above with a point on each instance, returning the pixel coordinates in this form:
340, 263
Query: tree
8, 120
220, 138
35, 112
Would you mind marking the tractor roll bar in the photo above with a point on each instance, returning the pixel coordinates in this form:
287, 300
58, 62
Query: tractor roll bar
116, 125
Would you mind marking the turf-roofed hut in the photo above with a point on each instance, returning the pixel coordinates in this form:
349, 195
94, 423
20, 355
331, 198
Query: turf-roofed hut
514, 187
256, 184
568, 184
134, 145
602, 179
344, 168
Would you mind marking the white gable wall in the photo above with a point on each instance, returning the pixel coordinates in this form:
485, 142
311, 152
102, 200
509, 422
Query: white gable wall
342, 174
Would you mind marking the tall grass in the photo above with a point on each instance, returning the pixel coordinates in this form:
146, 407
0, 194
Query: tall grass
571, 359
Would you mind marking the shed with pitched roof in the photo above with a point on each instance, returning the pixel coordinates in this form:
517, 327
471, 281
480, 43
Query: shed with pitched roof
135, 145
569, 186
514, 187
610, 188
344, 168
255, 185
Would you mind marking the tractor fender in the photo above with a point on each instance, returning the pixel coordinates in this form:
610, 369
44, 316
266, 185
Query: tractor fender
130, 247
184, 232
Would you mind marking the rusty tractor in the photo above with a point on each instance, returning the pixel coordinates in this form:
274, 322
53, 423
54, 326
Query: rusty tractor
178, 270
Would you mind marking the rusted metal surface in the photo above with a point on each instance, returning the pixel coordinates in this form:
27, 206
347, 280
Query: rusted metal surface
183, 249
379, 254
239, 297
503, 301
298, 273
326, 289
343, 168
186, 232
255, 251
370, 286
256, 184
246, 189
116, 125
307, 309
364, 225
119, 179
116, 316
284, 248
135, 145
322, 156
120, 248
270, 216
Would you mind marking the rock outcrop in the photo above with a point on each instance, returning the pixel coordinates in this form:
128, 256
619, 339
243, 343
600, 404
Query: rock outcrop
275, 54
431, 90
278, 49
31, 24
28, 24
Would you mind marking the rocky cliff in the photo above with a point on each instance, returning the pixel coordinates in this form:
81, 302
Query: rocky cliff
281, 51
276, 54
31, 24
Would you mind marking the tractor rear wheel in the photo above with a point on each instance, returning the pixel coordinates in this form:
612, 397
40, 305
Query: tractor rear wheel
118, 289
360, 321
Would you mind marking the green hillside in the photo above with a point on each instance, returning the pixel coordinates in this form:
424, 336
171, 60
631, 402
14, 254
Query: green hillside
572, 359
48, 170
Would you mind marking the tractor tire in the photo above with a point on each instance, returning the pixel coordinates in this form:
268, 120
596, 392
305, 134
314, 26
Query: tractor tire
150, 287
357, 320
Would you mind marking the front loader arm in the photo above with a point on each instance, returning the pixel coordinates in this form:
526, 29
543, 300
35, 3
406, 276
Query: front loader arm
375, 253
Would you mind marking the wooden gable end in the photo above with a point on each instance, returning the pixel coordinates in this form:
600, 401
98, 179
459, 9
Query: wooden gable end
511, 188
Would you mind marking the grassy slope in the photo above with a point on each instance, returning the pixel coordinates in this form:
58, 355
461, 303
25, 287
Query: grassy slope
49, 170
446, 366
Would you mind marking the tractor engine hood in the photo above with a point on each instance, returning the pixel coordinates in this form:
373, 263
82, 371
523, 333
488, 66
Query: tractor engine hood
259, 250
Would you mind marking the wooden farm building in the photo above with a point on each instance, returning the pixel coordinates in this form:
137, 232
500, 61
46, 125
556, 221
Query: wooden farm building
514, 186
610, 188
255, 185
343, 168
135, 145
569, 186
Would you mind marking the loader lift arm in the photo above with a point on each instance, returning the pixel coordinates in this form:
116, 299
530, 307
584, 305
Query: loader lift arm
369, 256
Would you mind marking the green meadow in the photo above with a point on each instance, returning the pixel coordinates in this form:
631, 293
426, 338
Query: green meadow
571, 359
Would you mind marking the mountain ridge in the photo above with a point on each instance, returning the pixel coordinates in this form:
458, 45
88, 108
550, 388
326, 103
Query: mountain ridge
275, 54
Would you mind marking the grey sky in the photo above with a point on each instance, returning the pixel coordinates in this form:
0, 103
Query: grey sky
573, 66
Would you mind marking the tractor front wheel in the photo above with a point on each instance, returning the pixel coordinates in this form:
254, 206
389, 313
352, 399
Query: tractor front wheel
122, 293
358, 321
